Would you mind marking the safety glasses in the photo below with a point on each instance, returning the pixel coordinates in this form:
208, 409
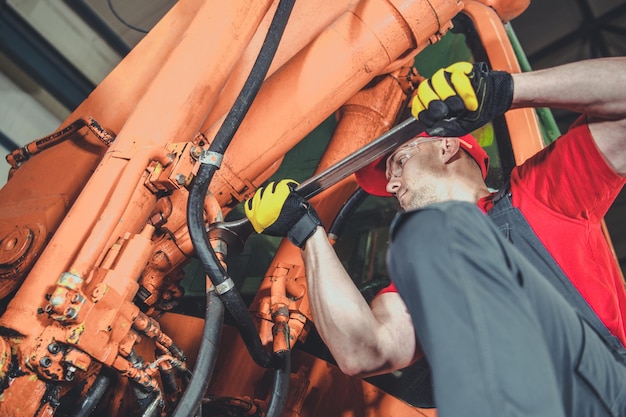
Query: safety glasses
396, 161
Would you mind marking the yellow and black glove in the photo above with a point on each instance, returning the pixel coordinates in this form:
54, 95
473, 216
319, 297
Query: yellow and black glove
277, 210
461, 98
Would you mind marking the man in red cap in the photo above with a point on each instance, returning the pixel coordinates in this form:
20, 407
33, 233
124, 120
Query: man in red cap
535, 327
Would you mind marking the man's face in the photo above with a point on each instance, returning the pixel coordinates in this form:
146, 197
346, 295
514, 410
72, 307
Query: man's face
412, 173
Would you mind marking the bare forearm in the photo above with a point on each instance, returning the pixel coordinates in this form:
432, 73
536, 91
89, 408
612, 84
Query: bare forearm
354, 335
594, 87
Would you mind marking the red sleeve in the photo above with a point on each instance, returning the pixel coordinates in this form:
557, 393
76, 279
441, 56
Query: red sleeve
570, 177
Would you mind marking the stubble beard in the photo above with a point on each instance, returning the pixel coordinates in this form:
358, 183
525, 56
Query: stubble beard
421, 197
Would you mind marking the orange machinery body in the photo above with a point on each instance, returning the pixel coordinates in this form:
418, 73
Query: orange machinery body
88, 223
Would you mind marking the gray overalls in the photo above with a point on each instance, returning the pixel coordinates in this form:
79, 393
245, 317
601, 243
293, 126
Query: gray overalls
500, 339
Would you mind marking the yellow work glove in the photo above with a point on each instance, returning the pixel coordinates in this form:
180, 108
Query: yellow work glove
461, 98
277, 210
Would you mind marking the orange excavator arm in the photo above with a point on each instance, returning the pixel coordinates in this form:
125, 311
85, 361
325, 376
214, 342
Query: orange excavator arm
103, 220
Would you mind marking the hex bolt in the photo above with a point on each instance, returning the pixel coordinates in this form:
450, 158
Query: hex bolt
71, 313
54, 348
45, 362
195, 152
181, 179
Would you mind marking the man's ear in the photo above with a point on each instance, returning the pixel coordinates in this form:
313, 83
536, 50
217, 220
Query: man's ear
449, 149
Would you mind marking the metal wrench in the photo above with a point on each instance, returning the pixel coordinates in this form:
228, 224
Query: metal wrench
236, 232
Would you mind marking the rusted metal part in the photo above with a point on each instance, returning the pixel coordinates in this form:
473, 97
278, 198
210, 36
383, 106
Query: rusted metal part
21, 155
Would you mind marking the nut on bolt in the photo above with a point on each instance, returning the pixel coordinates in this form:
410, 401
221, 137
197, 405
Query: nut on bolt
77, 299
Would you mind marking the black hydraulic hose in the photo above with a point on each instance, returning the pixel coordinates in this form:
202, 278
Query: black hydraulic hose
195, 205
280, 390
224, 287
255, 79
94, 394
229, 295
207, 355
351, 204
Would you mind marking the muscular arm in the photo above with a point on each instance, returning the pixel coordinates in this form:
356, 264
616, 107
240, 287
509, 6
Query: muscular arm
360, 337
593, 87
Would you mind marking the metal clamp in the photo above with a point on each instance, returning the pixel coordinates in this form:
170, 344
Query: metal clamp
211, 158
225, 286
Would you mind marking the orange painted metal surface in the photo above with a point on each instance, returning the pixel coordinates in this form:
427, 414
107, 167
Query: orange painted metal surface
93, 229
357, 47
523, 127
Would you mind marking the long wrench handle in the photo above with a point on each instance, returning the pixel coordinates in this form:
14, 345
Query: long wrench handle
382, 145
236, 232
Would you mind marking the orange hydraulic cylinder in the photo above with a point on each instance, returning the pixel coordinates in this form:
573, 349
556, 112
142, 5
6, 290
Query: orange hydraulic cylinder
306, 21
319, 79
110, 103
40, 192
172, 109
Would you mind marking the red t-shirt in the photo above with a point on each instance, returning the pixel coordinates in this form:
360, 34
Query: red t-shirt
564, 192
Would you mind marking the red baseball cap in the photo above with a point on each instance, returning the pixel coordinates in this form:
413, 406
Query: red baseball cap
373, 180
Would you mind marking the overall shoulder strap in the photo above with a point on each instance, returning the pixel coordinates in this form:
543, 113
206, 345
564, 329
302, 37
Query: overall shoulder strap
517, 230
